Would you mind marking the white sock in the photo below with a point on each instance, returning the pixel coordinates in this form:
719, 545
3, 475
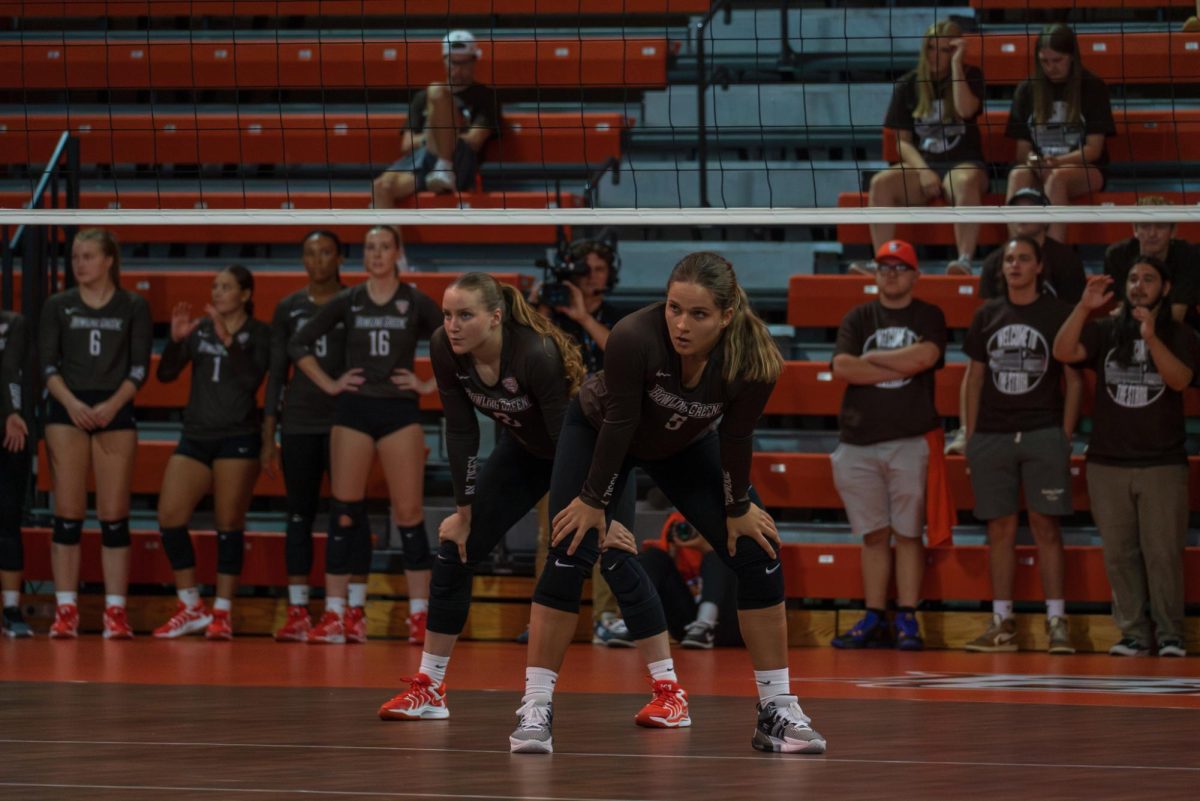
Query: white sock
298, 595
444, 164
65, 598
335, 605
189, 597
708, 613
1002, 608
663, 670
772, 684
418, 605
434, 667
12, 598
1056, 608
357, 596
114, 600
222, 604
539, 681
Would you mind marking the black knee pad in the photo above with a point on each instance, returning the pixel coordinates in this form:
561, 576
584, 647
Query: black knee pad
360, 548
760, 584
298, 546
12, 551
341, 535
640, 605
449, 591
115, 533
178, 545
416, 547
66, 532
561, 583
231, 552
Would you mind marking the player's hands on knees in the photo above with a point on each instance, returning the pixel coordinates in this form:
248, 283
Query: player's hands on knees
456, 528
15, 432
758, 526
575, 521
620, 538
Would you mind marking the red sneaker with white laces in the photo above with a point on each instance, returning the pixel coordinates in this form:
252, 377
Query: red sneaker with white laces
185, 621
297, 627
421, 701
221, 627
116, 624
328, 631
355, 624
668, 709
66, 623
416, 628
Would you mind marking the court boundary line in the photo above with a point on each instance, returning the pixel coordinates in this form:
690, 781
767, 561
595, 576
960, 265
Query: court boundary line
294, 791
804, 760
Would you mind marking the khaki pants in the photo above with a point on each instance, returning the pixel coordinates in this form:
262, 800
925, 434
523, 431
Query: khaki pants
1142, 513
603, 600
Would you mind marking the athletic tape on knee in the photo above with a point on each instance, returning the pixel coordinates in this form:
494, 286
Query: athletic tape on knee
561, 583
298, 545
760, 584
12, 552
449, 591
231, 552
115, 533
67, 532
177, 543
640, 605
360, 548
415, 541
341, 533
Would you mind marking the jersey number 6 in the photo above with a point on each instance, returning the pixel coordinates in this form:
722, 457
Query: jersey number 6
94, 342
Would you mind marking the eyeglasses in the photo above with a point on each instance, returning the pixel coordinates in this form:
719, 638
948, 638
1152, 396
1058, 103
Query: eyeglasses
894, 267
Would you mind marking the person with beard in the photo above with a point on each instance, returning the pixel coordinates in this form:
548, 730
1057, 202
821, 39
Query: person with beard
448, 125
1137, 464
888, 351
1158, 239
1019, 424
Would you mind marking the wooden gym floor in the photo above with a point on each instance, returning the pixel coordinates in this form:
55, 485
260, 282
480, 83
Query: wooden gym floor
258, 720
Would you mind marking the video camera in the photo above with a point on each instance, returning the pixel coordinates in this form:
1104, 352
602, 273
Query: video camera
569, 262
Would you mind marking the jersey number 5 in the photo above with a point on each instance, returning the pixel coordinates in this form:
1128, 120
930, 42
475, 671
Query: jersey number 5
676, 422
380, 344
505, 419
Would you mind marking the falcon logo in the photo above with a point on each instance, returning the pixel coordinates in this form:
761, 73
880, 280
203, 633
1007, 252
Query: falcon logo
243, 337
510, 384
402, 306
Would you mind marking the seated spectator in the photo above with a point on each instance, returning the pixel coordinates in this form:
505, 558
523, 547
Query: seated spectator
448, 125
888, 351
933, 113
1063, 275
1137, 469
1019, 424
1158, 239
699, 593
1060, 118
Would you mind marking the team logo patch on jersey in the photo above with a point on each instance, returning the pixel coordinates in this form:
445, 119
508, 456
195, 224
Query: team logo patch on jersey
243, 337
402, 306
510, 384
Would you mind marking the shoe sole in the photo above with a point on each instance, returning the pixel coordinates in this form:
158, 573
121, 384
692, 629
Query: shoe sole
218, 637
195, 627
1129, 653
17, 635
1172, 654
120, 635
696, 645
1060, 650
339, 640
291, 638
426, 713
61, 635
763, 742
516, 746
1007, 648
663, 723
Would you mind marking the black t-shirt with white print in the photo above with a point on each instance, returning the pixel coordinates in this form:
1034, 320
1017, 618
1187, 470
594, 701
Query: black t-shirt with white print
947, 141
1022, 387
1057, 135
896, 409
380, 337
1137, 420
639, 404
1063, 276
529, 399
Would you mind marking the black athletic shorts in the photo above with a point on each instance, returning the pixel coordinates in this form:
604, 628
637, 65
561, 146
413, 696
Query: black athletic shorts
375, 417
207, 451
124, 420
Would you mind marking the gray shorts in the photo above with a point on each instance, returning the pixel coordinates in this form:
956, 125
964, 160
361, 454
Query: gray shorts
883, 485
1002, 464
420, 162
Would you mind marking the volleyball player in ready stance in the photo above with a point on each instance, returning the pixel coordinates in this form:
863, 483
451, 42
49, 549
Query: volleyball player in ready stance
307, 414
94, 344
376, 410
672, 371
228, 350
496, 354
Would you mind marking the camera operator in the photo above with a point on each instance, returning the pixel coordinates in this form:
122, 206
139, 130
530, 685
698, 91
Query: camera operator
574, 298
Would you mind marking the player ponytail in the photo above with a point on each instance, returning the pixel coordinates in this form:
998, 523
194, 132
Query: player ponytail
750, 352
494, 295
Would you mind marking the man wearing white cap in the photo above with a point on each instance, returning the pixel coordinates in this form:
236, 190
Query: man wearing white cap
448, 125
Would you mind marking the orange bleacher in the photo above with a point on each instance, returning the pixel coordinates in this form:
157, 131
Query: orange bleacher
164, 62
1117, 58
366, 8
292, 138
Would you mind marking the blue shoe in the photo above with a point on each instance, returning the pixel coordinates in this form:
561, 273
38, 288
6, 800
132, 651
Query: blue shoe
870, 632
611, 632
908, 632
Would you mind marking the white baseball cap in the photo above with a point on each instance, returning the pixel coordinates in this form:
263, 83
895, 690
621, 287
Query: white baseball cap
460, 43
